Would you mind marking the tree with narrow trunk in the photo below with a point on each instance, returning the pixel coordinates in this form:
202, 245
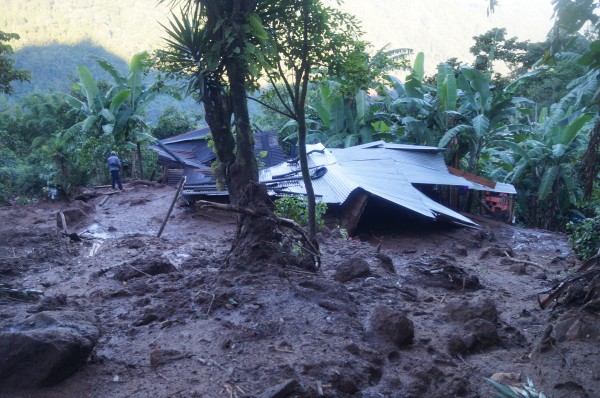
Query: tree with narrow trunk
217, 47
313, 42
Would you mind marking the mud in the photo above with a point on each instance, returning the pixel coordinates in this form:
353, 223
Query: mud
175, 323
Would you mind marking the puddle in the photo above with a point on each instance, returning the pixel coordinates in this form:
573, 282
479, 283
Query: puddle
96, 232
176, 259
98, 236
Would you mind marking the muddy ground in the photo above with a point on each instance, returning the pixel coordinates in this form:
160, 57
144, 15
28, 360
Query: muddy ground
174, 323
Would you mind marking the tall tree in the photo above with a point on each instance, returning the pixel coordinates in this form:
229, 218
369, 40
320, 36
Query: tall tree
571, 17
317, 43
8, 73
215, 46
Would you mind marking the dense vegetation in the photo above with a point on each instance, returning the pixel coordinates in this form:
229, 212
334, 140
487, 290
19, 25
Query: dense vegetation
535, 127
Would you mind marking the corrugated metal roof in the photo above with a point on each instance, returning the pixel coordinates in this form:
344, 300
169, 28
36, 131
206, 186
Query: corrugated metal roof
426, 167
190, 135
369, 167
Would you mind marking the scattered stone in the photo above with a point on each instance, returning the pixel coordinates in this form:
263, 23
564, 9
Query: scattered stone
541, 276
50, 303
281, 390
138, 202
477, 335
465, 310
518, 269
159, 356
391, 326
356, 267
386, 262
460, 251
507, 378
46, 348
577, 325
344, 383
145, 319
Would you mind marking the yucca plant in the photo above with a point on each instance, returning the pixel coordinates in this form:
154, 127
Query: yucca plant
527, 391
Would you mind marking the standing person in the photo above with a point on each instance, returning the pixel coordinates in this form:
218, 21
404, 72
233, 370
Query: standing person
114, 165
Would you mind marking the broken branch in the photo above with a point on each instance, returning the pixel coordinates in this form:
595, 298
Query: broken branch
514, 260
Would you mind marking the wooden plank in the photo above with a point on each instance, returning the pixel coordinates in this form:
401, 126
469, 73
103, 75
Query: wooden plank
472, 177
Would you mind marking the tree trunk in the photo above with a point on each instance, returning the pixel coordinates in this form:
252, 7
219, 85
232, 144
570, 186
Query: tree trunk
301, 120
590, 160
255, 238
132, 171
139, 158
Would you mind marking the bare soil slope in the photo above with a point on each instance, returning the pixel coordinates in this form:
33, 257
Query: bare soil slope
176, 324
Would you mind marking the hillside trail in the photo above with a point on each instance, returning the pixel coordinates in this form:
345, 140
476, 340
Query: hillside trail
176, 323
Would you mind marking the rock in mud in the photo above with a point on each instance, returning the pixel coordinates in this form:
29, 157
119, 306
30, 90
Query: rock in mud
478, 334
466, 310
391, 326
577, 325
356, 267
46, 348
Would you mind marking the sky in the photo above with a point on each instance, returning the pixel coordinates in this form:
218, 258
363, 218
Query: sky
442, 32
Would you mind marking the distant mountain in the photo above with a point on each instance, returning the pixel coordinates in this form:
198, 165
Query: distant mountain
59, 35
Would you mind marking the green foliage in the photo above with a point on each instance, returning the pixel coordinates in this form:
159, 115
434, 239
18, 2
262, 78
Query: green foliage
8, 73
296, 208
495, 46
585, 235
8, 171
172, 122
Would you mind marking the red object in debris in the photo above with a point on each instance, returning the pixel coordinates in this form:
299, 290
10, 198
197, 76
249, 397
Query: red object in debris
498, 203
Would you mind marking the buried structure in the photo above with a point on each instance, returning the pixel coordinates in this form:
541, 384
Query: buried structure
190, 155
408, 179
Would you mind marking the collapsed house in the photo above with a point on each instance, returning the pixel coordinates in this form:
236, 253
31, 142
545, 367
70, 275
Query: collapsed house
409, 177
397, 173
190, 155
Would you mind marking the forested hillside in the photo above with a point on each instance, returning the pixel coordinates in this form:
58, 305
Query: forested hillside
58, 36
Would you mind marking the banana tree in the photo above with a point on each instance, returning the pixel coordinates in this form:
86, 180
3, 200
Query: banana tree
342, 122
482, 118
119, 111
542, 166
132, 97
409, 106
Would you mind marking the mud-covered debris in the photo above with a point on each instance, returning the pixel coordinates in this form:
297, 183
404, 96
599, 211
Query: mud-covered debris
356, 267
143, 267
387, 263
450, 277
50, 303
160, 356
463, 310
281, 390
476, 335
391, 326
46, 348
20, 294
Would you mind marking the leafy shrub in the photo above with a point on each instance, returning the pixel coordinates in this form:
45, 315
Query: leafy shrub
585, 235
296, 208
